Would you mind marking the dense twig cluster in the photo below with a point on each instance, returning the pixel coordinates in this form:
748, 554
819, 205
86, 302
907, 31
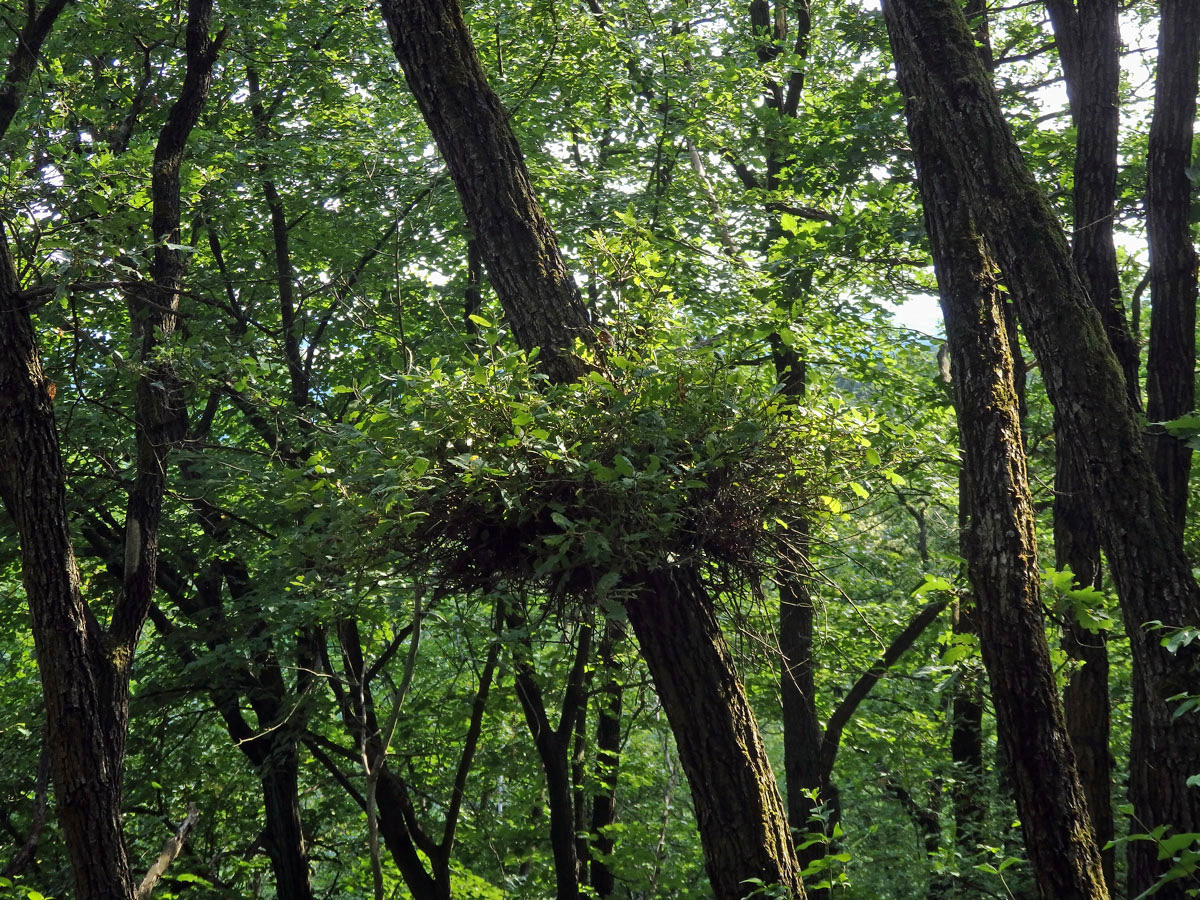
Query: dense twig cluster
571, 490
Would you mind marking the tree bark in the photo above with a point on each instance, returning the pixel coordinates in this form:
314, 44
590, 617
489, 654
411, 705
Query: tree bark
946, 81
608, 758
1171, 360
1088, 38
967, 791
85, 668
740, 814
1001, 546
739, 811
541, 301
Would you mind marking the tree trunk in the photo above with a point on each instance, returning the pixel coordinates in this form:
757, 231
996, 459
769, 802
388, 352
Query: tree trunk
552, 746
85, 668
801, 727
283, 836
1085, 698
1171, 361
1088, 38
1001, 546
739, 811
608, 757
968, 793
85, 720
946, 81
541, 301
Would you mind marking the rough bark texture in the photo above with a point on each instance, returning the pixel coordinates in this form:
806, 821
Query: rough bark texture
1171, 360
1088, 38
85, 668
801, 727
608, 758
1085, 698
77, 669
945, 79
739, 811
541, 301
1001, 546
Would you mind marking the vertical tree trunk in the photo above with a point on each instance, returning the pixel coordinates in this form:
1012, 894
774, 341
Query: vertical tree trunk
1088, 38
1171, 361
944, 77
284, 833
967, 793
553, 745
739, 811
1001, 547
608, 757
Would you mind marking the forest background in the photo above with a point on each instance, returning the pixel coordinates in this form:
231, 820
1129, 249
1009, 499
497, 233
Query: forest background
432, 613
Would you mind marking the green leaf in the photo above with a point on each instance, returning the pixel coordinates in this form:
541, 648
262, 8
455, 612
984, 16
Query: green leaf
932, 583
480, 321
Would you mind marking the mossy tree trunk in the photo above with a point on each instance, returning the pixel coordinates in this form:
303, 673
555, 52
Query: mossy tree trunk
1001, 549
944, 77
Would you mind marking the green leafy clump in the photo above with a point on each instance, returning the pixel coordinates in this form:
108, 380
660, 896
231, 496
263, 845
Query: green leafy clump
507, 481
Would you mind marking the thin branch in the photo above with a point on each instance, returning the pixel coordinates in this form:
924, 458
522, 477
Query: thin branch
849, 705
170, 850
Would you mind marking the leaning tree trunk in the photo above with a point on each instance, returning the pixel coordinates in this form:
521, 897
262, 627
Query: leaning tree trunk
1001, 545
936, 56
541, 301
740, 814
739, 810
